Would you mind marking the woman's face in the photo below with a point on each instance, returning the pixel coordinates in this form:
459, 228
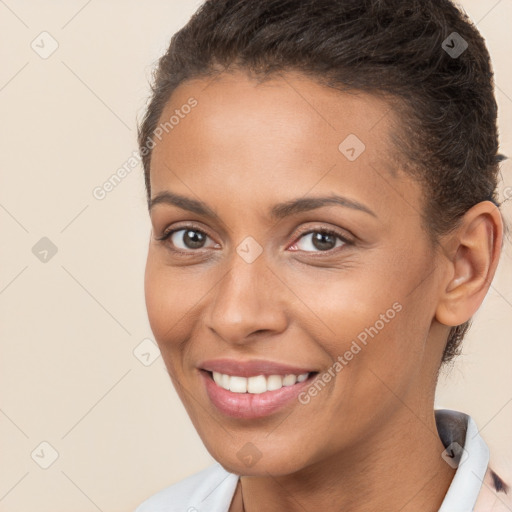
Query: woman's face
261, 278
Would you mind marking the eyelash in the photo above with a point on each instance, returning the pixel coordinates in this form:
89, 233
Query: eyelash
324, 230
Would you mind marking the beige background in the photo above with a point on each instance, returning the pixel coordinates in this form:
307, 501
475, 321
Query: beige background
69, 327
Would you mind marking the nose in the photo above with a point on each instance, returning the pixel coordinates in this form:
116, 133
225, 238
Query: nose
249, 300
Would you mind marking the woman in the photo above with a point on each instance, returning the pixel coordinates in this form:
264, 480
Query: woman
321, 179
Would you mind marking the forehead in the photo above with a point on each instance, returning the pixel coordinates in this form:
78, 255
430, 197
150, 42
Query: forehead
288, 108
278, 137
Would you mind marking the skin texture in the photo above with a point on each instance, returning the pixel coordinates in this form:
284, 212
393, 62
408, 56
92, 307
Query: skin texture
368, 440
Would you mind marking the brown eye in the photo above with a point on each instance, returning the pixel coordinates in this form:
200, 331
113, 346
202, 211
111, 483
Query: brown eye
190, 238
186, 239
320, 241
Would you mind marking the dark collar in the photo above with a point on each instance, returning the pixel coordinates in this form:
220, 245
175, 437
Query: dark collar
451, 426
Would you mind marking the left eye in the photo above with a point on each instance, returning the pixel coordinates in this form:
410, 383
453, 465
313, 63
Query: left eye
320, 240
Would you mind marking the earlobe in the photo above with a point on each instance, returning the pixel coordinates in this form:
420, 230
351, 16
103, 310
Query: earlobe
471, 268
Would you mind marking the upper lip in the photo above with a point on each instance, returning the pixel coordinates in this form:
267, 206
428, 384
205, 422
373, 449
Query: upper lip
251, 368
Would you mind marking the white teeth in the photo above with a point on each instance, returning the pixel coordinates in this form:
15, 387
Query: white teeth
274, 382
258, 384
237, 384
289, 380
217, 377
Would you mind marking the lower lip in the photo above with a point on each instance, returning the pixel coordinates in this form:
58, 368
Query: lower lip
249, 405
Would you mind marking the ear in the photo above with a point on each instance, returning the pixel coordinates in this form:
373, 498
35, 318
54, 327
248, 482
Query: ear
473, 252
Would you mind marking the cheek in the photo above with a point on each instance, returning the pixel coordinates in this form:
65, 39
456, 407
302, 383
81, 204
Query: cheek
369, 331
349, 304
369, 317
157, 298
170, 299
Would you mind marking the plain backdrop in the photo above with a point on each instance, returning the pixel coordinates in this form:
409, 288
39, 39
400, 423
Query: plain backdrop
88, 416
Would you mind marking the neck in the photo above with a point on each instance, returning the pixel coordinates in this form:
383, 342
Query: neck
399, 466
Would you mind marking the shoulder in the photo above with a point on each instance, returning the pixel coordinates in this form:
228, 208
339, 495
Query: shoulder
211, 490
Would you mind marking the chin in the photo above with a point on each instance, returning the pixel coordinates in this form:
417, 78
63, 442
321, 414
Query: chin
252, 461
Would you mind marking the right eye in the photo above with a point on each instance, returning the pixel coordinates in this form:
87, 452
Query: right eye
185, 239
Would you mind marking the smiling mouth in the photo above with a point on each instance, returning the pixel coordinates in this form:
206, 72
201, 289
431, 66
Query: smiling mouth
255, 396
257, 384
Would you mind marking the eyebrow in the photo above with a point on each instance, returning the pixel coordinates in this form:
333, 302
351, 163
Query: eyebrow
278, 211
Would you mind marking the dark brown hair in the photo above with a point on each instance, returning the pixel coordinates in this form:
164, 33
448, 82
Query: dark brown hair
404, 50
